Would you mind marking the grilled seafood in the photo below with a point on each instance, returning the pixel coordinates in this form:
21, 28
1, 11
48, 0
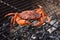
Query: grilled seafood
24, 17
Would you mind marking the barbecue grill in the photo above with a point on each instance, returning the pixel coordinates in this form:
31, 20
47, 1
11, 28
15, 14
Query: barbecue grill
47, 31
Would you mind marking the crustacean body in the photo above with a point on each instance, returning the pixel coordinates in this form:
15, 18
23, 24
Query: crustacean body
24, 17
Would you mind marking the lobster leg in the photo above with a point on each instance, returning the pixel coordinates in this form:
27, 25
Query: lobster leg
40, 22
15, 18
43, 16
47, 17
23, 22
11, 23
9, 14
20, 21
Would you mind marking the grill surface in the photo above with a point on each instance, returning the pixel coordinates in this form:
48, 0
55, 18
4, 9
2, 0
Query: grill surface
52, 8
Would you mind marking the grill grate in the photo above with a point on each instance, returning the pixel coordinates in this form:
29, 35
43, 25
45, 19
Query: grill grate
52, 7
